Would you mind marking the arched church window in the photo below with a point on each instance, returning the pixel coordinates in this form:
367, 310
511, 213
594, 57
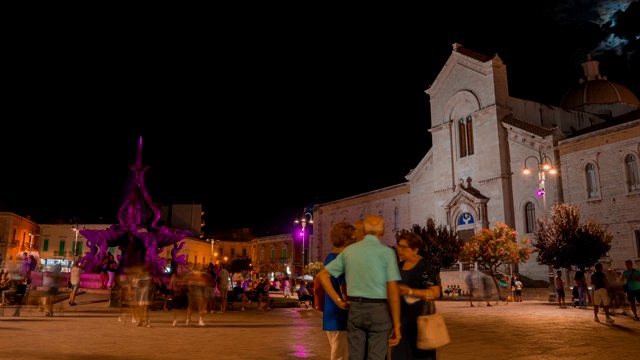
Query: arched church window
592, 181
469, 128
465, 136
462, 138
530, 217
262, 253
633, 178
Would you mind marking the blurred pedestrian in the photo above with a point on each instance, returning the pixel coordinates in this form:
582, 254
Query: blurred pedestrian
55, 278
477, 286
583, 289
177, 286
223, 287
196, 284
600, 294
373, 294
632, 279
144, 288
286, 286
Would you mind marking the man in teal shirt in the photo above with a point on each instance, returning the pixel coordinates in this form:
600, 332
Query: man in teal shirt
632, 279
371, 273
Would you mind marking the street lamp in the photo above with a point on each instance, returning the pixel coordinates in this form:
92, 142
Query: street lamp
75, 243
544, 165
212, 241
303, 223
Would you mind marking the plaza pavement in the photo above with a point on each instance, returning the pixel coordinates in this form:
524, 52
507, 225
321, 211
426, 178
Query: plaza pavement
531, 329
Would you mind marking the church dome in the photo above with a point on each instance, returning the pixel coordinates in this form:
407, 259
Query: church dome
596, 90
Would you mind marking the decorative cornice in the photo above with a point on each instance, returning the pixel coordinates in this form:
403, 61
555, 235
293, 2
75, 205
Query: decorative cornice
450, 188
503, 176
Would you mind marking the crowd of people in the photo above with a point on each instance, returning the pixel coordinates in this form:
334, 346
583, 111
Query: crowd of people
371, 312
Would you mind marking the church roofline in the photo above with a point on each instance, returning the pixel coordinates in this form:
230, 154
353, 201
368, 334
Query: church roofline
529, 127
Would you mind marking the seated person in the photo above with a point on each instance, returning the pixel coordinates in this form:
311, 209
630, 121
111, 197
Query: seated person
304, 295
10, 291
262, 294
4, 282
239, 295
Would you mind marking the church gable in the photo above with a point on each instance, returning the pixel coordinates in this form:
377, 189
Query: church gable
467, 78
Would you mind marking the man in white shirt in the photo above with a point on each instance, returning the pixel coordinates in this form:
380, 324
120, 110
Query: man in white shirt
74, 278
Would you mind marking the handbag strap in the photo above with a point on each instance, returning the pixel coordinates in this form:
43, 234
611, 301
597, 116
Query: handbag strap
427, 305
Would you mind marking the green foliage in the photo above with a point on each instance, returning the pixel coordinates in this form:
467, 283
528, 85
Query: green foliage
441, 246
240, 266
269, 266
561, 241
313, 268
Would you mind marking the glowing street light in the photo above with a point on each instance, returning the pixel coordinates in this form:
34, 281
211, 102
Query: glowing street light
303, 223
544, 165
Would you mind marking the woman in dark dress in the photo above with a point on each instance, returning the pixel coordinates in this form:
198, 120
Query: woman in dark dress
418, 287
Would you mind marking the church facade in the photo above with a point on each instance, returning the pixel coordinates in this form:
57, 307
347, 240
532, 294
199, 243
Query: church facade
483, 139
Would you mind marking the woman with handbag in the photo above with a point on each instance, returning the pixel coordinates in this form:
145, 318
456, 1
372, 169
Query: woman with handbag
419, 287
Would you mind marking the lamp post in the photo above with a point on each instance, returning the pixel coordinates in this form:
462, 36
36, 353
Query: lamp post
303, 223
212, 242
75, 243
544, 165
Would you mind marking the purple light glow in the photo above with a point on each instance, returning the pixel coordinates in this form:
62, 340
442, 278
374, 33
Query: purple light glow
540, 192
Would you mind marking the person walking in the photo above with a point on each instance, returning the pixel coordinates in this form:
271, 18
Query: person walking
419, 287
583, 289
334, 319
373, 297
600, 294
632, 280
74, 278
223, 287
112, 267
477, 285
286, 286
559, 285
55, 279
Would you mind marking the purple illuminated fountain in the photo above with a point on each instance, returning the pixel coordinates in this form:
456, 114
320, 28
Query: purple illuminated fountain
139, 239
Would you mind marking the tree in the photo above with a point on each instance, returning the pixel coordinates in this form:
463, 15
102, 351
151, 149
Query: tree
441, 246
269, 266
493, 248
240, 266
313, 268
561, 241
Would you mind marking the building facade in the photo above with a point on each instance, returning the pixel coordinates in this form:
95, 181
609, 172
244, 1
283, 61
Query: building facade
483, 139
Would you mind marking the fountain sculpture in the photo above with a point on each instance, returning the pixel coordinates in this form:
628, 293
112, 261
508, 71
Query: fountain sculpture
137, 235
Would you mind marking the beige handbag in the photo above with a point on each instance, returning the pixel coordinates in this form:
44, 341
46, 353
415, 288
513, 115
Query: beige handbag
432, 331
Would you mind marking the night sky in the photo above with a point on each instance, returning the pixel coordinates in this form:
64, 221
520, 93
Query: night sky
256, 117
